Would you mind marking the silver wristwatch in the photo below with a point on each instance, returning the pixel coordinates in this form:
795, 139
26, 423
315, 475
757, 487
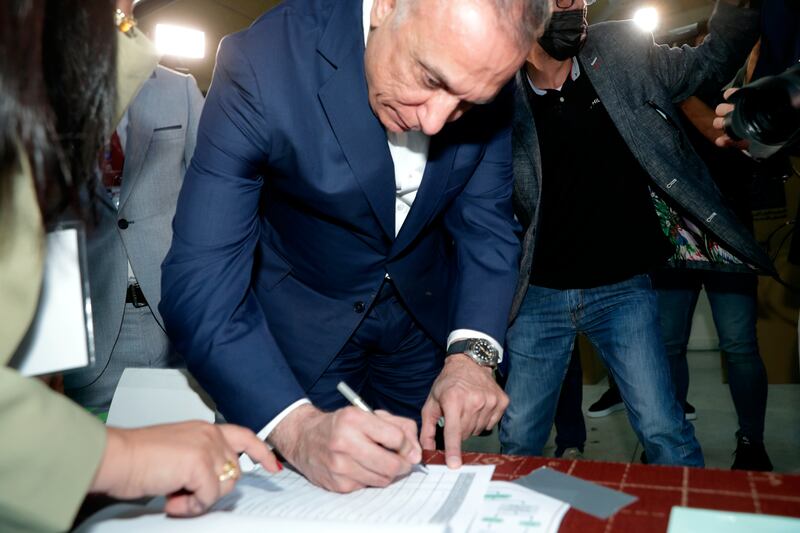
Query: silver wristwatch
479, 350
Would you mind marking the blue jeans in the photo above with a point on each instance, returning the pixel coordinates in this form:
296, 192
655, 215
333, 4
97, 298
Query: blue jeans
733, 305
621, 321
570, 426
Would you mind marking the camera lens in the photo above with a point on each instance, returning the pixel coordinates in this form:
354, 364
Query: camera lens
768, 111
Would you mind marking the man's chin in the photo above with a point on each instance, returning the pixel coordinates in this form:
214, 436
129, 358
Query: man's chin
393, 126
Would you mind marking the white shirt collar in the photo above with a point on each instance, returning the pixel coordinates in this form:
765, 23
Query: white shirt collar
365, 12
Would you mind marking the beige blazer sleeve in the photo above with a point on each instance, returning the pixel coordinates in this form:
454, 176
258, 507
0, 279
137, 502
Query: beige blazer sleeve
50, 447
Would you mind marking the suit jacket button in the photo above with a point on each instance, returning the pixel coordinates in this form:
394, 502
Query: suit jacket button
359, 307
122, 223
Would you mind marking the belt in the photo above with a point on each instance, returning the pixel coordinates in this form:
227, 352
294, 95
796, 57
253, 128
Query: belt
135, 296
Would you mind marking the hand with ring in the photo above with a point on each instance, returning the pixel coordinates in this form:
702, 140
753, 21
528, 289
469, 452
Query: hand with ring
193, 463
230, 470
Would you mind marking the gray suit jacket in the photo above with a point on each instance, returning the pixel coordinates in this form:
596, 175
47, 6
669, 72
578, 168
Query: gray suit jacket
638, 81
162, 131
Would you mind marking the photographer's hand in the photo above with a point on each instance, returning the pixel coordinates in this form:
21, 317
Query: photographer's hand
723, 140
701, 116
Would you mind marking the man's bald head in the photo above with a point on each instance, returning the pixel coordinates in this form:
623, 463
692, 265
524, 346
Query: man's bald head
526, 19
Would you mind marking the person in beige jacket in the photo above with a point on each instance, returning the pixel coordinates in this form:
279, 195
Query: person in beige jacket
52, 452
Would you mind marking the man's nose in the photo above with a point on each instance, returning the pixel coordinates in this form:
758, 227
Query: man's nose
437, 111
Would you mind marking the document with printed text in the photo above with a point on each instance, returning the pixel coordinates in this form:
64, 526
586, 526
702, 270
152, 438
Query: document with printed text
442, 500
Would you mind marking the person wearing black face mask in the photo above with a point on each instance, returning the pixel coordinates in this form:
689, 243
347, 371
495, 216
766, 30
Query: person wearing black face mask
604, 179
566, 34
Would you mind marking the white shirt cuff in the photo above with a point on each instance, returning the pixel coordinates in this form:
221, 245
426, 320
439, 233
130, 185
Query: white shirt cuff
264, 433
459, 334
245, 463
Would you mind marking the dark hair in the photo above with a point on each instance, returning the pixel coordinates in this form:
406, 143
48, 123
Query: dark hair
57, 94
23, 100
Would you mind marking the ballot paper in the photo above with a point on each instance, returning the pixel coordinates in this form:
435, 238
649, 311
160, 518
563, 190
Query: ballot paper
511, 508
443, 500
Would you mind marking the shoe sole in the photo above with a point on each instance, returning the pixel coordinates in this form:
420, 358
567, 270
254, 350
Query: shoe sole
690, 416
607, 411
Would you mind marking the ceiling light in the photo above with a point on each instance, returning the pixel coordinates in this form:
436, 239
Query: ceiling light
646, 18
179, 41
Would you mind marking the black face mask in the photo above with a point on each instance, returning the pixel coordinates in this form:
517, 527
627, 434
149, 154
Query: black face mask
566, 34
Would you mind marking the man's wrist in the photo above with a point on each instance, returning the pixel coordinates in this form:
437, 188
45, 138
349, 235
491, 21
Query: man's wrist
461, 334
480, 350
286, 435
113, 476
462, 358
267, 430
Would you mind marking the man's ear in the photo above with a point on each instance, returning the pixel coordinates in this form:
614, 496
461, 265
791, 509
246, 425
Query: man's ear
381, 11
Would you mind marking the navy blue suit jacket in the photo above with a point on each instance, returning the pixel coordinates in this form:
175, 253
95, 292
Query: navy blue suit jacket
286, 218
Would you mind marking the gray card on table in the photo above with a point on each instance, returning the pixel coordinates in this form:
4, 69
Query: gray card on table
583, 495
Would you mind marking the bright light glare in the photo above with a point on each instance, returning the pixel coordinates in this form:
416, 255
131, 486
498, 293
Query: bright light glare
179, 41
646, 18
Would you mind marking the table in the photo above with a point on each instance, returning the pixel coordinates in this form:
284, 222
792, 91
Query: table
657, 487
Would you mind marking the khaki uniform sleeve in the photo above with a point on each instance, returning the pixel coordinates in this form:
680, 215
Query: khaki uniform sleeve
49, 447
49, 454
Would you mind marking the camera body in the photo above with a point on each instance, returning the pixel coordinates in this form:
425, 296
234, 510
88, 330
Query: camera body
767, 114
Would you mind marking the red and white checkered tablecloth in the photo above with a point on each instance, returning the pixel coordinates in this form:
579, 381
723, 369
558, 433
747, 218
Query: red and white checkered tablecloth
657, 487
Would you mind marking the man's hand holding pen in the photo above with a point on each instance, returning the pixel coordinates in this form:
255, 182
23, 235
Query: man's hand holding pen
348, 449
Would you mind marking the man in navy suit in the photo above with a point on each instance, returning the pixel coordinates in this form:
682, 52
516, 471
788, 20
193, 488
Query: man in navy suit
347, 217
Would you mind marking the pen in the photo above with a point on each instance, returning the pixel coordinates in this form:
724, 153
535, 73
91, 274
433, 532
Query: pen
353, 397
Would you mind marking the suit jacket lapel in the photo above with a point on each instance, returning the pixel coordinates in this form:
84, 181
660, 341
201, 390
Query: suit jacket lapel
139, 134
344, 99
594, 67
527, 155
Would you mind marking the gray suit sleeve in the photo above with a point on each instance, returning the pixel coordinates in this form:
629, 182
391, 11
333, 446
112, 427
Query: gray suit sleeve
732, 33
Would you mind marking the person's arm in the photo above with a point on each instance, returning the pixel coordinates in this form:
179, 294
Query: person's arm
215, 320
48, 456
210, 311
56, 453
701, 116
733, 30
193, 463
482, 225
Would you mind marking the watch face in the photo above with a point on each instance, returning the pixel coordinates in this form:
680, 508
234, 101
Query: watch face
484, 351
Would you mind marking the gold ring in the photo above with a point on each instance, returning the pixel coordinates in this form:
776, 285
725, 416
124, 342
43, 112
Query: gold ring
230, 470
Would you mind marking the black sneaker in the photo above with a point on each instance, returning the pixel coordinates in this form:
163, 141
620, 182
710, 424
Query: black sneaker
609, 402
689, 411
751, 455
